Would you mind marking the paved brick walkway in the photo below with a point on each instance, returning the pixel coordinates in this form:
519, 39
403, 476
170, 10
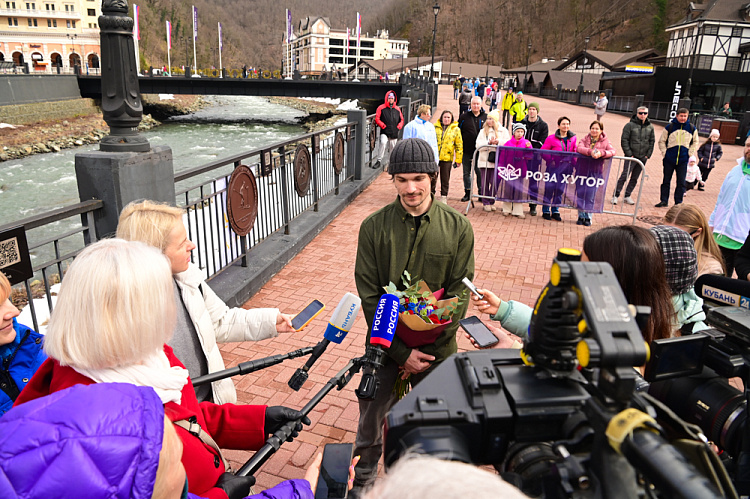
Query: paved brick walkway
512, 258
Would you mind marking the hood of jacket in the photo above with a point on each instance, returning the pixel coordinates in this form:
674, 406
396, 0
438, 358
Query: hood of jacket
682, 126
603, 139
569, 136
101, 440
388, 94
634, 119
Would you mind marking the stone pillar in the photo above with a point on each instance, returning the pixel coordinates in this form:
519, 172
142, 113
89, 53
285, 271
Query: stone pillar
360, 118
119, 178
579, 97
639, 98
559, 91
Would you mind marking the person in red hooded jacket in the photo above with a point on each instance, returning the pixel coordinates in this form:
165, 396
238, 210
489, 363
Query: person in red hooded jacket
114, 315
389, 118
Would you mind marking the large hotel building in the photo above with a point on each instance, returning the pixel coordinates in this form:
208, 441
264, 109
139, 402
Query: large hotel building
42, 35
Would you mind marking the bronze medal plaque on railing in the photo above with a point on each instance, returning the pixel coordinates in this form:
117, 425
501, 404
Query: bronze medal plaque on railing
242, 200
302, 170
338, 153
15, 260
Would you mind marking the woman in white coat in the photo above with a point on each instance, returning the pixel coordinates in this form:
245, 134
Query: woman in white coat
203, 319
492, 134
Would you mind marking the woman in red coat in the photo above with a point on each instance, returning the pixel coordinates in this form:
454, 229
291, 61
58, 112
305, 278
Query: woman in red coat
114, 314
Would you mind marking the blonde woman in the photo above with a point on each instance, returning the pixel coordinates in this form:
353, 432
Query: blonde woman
492, 134
203, 319
115, 313
692, 220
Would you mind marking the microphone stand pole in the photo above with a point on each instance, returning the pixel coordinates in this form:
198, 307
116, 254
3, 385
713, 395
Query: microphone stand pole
339, 381
251, 366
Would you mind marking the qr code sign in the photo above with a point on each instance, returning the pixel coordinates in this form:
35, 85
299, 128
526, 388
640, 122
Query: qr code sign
9, 253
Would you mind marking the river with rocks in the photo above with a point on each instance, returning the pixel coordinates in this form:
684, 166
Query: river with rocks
228, 125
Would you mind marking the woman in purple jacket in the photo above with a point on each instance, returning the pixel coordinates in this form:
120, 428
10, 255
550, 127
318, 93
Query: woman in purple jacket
101, 441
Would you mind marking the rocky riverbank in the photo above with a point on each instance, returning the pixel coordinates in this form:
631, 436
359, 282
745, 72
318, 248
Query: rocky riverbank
320, 115
54, 135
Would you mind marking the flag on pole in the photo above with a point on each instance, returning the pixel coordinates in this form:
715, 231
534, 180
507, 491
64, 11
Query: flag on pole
169, 35
195, 22
221, 44
136, 27
288, 25
359, 27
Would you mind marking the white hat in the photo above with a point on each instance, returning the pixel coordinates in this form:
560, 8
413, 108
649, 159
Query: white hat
714, 132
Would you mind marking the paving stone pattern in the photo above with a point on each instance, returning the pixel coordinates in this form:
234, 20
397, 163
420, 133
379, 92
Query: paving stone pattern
512, 258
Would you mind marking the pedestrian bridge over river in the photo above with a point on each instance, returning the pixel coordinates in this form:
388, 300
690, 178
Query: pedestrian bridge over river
91, 87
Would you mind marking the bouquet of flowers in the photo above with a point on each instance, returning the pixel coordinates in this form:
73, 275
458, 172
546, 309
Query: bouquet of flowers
423, 316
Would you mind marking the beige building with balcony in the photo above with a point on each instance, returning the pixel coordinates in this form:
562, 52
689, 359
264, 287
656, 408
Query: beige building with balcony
315, 47
45, 34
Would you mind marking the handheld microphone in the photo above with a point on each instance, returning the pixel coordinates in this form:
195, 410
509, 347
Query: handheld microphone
341, 323
383, 328
724, 290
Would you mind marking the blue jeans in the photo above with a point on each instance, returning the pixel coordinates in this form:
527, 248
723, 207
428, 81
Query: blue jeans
546, 209
584, 215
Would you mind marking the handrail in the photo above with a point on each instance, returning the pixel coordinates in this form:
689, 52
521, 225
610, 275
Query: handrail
55, 215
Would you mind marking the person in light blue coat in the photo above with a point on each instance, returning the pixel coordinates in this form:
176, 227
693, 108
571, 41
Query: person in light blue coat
421, 128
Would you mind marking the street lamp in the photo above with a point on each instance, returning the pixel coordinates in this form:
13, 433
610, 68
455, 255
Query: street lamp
72, 38
435, 10
419, 49
487, 72
525, 74
583, 64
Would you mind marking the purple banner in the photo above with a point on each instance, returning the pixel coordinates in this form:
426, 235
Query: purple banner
551, 178
195, 23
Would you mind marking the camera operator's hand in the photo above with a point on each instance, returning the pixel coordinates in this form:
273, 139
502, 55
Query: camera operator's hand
278, 415
487, 305
284, 323
505, 340
416, 363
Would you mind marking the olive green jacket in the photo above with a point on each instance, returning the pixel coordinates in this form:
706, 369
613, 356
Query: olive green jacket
441, 253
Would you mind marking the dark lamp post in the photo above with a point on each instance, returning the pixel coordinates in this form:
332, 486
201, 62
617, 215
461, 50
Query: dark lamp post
583, 63
435, 10
419, 49
487, 71
526, 73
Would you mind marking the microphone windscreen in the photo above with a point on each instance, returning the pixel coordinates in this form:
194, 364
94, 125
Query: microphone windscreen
385, 321
723, 289
343, 318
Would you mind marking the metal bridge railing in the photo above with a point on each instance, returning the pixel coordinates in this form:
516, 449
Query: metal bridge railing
54, 239
279, 173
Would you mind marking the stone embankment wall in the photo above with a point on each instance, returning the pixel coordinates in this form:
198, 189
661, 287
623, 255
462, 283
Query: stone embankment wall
25, 114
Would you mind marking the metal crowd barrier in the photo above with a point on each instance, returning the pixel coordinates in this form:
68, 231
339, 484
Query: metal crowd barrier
616, 169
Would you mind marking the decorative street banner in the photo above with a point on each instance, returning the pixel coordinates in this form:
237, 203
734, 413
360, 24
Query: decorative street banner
551, 178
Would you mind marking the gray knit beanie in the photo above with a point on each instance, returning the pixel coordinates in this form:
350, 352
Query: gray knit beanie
412, 156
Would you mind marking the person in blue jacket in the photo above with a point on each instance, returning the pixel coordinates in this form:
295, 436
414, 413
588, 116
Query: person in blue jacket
20, 350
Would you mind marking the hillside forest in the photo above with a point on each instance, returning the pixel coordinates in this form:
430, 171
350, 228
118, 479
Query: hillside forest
494, 31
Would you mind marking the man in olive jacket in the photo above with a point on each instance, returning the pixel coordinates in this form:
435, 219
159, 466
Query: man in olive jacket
434, 243
637, 141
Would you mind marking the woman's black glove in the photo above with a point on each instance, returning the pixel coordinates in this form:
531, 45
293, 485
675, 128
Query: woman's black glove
277, 416
236, 487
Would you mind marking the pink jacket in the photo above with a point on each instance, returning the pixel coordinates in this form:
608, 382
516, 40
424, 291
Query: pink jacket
603, 145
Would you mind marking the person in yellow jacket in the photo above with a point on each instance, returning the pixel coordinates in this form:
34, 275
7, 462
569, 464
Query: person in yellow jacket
519, 109
450, 144
508, 100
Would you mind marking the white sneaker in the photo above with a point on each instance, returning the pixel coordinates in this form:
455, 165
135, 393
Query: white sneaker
444, 199
614, 199
629, 200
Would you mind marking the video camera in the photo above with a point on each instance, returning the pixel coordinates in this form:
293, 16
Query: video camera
563, 418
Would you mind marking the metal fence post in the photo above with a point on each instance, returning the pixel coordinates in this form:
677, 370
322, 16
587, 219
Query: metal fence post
284, 189
405, 104
559, 91
360, 136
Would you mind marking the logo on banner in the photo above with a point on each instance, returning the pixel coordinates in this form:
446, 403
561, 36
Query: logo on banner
509, 172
